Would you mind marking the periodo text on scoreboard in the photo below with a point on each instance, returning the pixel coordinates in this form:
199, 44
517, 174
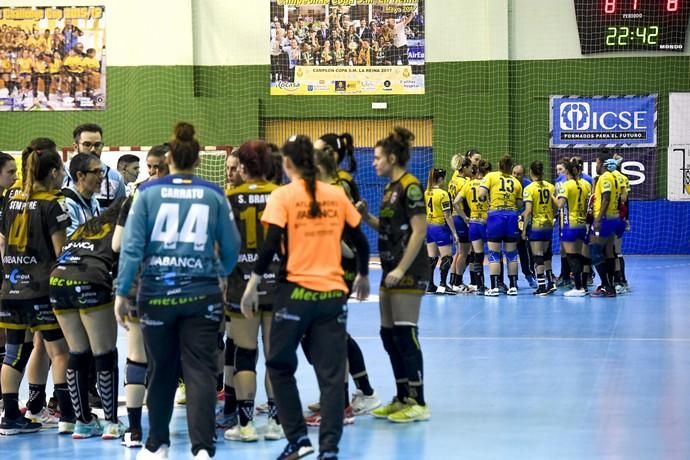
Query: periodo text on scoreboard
620, 121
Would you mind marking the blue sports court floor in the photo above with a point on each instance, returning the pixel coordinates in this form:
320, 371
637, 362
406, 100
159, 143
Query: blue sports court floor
506, 378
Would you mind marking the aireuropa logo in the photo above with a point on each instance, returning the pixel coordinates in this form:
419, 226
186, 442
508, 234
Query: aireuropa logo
575, 116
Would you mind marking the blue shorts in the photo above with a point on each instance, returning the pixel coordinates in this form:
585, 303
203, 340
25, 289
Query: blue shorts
461, 229
608, 227
439, 234
620, 228
502, 226
540, 234
477, 231
570, 235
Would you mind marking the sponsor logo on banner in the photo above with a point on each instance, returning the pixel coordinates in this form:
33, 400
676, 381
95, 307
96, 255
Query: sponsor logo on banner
288, 86
639, 166
613, 121
340, 86
679, 173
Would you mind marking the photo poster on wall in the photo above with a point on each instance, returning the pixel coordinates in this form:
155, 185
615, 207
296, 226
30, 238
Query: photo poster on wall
52, 58
346, 47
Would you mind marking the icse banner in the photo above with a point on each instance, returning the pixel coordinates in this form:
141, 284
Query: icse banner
603, 121
347, 47
639, 165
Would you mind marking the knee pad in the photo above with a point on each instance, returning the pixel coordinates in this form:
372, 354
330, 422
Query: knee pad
538, 260
511, 256
597, 253
80, 361
245, 360
494, 257
135, 373
445, 262
406, 339
17, 355
107, 361
387, 339
229, 352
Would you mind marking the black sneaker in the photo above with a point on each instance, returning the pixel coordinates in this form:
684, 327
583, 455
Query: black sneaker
541, 291
431, 288
132, 438
502, 288
480, 290
551, 288
19, 425
298, 449
327, 456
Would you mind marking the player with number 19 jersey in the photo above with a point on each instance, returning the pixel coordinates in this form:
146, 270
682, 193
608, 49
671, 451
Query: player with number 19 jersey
172, 228
248, 202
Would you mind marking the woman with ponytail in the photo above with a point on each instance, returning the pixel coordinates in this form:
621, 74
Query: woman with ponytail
312, 217
181, 235
401, 226
344, 148
31, 236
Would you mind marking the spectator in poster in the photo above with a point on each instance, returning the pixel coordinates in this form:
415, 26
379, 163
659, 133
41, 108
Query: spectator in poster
324, 34
367, 32
327, 56
293, 58
276, 53
339, 53
400, 39
306, 58
40, 70
364, 57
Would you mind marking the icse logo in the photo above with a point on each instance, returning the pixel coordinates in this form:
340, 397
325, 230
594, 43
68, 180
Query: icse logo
575, 116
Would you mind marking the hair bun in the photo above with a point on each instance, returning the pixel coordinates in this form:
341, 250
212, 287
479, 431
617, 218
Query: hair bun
184, 132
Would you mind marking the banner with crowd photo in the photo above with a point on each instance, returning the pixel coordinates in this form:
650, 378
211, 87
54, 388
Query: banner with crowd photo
603, 121
346, 47
52, 58
639, 165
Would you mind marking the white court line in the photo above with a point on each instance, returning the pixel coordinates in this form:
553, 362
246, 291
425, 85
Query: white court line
546, 339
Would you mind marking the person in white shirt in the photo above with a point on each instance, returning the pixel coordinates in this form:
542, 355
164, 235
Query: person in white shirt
400, 39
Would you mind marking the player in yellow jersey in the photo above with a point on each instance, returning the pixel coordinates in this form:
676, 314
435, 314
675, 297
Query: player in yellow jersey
538, 218
92, 67
440, 232
623, 226
74, 69
40, 70
573, 195
463, 173
505, 198
55, 69
24, 66
7, 73
605, 211
469, 198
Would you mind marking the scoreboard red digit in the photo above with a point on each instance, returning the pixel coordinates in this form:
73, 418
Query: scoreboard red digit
631, 25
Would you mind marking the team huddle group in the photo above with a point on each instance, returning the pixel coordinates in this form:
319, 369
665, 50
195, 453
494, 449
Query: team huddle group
515, 217
194, 273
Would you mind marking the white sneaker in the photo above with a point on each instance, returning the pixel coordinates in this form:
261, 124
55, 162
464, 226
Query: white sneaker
512, 291
273, 431
66, 427
314, 407
472, 288
145, 454
457, 289
44, 417
202, 455
575, 293
363, 404
181, 394
620, 289
242, 433
492, 292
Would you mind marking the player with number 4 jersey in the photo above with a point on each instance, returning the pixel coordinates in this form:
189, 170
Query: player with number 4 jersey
181, 231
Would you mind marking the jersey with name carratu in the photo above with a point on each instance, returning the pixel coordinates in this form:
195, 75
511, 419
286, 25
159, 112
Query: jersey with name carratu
172, 229
28, 225
87, 257
248, 202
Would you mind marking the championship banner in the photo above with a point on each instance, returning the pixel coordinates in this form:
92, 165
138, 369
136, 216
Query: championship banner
347, 47
603, 121
639, 165
679, 173
52, 58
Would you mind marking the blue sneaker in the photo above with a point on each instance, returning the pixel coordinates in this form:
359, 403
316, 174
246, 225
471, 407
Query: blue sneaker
298, 449
87, 430
532, 282
226, 421
19, 425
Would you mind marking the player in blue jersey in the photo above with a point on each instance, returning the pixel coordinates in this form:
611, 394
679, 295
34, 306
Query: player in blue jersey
181, 231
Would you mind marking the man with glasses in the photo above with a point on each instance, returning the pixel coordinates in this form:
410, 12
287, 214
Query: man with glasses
88, 138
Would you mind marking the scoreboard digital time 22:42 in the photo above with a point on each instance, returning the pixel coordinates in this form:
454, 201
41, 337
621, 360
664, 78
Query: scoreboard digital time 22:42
631, 25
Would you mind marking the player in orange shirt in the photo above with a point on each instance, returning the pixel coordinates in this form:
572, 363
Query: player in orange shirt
312, 217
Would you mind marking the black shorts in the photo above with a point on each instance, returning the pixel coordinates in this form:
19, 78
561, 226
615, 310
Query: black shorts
156, 310
34, 314
232, 310
70, 296
411, 283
